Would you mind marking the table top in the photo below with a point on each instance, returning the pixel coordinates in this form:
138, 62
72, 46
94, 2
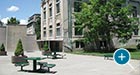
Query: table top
35, 58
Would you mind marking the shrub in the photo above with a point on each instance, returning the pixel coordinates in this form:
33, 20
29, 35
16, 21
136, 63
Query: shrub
138, 46
2, 48
19, 48
45, 47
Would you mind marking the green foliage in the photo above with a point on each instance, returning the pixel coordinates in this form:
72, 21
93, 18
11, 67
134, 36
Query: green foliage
37, 28
138, 46
13, 20
45, 47
2, 48
19, 48
103, 20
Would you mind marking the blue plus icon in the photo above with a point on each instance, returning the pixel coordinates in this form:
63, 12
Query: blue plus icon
121, 56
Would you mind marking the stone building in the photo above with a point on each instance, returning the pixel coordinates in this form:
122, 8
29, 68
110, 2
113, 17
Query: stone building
32, 23
58, 25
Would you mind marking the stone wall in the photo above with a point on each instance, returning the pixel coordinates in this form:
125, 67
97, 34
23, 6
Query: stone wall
31, 43
11, 34
2, 35
14, 33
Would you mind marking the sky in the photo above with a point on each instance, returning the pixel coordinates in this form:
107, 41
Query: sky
21, 9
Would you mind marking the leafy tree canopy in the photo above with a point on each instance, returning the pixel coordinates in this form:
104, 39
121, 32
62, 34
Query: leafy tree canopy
37, 28
105, 19
13, 20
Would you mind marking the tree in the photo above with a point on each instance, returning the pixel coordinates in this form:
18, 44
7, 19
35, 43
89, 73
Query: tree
45, 47
19, 48
101, 20
13, 20
37, 28
2, 48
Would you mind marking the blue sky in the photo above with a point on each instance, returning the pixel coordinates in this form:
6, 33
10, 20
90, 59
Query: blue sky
21, 9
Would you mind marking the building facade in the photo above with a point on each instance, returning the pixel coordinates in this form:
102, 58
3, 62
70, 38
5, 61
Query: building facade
32, 23
58, 25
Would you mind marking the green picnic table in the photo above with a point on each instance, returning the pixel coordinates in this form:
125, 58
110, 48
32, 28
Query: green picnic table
35, 59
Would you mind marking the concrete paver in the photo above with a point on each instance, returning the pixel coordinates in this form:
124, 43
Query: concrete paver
72, 65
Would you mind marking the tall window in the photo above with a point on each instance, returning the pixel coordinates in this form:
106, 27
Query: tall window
44, 13
50, 9
134, 11
77, 31
44, 33
50, 33
58, 29
58, 32
57, 6
77, 6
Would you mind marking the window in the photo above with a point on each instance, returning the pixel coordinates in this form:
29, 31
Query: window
57, 0
136, 31
58, 24
77, 31
44, 28
44, 33
58, 29
79, 44
58, 32
44, 13
50, 9
134, 11
50, 5
103, 44
50, 26
50, 33
44, 9
57, 6
77, 6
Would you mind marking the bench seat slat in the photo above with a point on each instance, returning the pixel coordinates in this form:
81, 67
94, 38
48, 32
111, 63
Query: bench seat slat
21, 64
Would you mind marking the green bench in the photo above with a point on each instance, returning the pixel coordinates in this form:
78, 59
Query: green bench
45, 64
108, 56
54, 55
48, 54
20, 61
21, 64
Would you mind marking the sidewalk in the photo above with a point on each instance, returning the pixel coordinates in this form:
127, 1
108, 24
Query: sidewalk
72, 65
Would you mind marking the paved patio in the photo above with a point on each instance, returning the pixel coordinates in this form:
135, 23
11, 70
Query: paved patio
72, 65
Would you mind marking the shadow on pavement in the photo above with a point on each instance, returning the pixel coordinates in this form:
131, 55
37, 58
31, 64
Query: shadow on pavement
38, 71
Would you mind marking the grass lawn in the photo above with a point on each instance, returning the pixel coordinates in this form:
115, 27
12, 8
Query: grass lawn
134, 55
